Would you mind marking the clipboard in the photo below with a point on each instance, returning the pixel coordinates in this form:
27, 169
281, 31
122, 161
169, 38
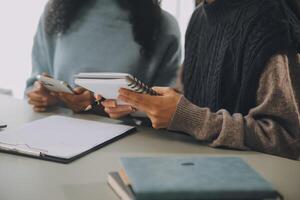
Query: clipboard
22, 149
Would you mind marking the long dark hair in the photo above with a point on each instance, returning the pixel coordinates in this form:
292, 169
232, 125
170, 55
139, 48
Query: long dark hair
145, 17
294, 6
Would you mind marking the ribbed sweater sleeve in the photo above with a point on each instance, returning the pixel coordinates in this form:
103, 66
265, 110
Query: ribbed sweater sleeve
272, 127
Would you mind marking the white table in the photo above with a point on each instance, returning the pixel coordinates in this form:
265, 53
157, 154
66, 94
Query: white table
85, 179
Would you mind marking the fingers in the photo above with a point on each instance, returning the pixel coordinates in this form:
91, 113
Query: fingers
109, 103
119, 115
38, 87
74, 105
86, 95
162, 90
39, 109
36, 99
37, 103
119, 109
55, 94
79, 90
41, 101
137, 100
65, 96
35, 96
159, 109
77, 102
98, 97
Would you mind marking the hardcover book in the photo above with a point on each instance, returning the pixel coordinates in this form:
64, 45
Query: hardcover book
190, 178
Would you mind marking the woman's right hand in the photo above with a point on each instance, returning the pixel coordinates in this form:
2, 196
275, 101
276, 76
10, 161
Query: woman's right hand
41, 98
116, 111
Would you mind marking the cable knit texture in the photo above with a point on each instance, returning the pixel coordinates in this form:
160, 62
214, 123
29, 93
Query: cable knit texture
228, 44
272, 125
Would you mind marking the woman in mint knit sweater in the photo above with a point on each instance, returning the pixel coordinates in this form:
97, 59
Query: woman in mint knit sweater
131, 36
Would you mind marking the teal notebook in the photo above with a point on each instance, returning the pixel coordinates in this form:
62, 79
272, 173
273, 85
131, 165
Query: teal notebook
191, 178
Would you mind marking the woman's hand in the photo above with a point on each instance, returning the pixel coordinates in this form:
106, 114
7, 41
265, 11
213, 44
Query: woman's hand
117, 111
79, 101
160, 109
41, 98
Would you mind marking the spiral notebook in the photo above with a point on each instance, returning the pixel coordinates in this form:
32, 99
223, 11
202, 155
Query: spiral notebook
108, 84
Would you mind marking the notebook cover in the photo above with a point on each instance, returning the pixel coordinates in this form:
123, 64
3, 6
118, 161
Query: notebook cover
195, 178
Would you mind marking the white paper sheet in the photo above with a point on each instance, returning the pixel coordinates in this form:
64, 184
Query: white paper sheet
62, 137
108, 88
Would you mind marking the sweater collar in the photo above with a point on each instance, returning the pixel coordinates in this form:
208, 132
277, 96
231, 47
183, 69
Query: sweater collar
221, 9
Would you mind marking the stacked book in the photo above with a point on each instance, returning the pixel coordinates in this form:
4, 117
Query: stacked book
187, 178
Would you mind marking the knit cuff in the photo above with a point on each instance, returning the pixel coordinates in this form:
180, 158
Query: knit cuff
188, 117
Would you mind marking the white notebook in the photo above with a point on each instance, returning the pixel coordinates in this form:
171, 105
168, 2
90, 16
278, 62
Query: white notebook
60, 137
108, 84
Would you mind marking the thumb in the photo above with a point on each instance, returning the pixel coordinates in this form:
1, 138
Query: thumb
79, 90
46, 74
98, 97
39, 87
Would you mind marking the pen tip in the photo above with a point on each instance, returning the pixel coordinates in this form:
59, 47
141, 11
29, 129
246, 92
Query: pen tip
88, 108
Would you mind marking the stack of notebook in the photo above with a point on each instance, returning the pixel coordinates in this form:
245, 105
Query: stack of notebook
189, 179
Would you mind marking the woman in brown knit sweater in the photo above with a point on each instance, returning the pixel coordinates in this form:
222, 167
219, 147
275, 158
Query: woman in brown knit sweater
240, 81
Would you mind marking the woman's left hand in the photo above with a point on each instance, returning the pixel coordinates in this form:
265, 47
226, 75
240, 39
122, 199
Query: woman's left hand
160, 109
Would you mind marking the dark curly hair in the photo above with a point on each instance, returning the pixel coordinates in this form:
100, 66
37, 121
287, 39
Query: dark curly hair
145, 17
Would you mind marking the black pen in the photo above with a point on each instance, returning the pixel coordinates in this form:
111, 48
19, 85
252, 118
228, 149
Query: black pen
94, 104
3, 126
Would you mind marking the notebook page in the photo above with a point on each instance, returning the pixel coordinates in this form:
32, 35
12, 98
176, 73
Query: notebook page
102, 75
109, 89
62, 137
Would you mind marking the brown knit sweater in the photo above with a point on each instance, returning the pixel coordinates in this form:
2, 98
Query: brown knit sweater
272, 127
